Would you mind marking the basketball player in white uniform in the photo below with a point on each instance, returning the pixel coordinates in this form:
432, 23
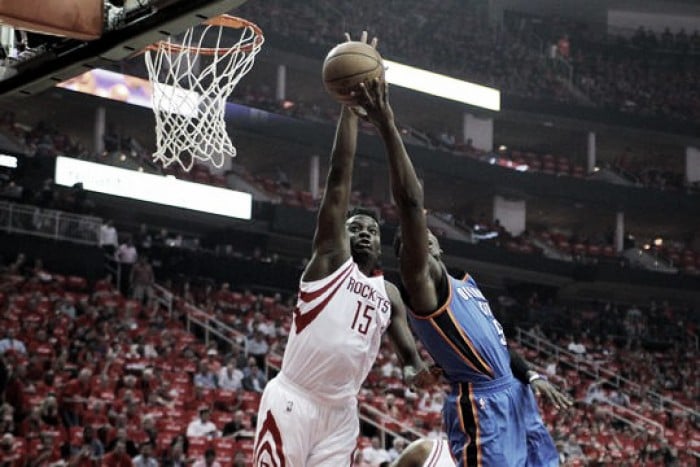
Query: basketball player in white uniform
308, 413
426, 453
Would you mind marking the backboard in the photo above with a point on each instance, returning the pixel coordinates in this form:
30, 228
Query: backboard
31, 63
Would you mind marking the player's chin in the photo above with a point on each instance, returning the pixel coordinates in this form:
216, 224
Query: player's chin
364, 253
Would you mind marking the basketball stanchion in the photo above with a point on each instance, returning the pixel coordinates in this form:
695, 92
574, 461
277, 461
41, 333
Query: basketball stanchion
192, 79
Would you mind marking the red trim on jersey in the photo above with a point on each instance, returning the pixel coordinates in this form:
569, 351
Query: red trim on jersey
301, 321
432, 462
310, 296
269, 426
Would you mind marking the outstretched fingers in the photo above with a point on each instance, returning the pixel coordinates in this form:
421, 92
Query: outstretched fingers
363, 38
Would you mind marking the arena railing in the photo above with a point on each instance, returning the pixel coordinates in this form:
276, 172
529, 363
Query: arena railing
211, 326
379, 420
49, 223
595, 371
164, 297
633, 418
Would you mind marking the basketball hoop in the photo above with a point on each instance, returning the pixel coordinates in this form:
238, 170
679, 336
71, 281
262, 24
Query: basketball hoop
192, 79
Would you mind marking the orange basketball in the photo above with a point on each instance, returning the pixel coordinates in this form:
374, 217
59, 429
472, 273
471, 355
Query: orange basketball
349, 64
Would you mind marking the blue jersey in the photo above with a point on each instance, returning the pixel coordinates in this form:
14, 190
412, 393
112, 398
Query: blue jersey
463, 336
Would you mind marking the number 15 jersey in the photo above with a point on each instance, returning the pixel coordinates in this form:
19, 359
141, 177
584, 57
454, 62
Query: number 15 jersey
338, 325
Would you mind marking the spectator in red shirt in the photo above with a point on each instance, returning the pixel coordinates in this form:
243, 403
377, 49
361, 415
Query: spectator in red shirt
96, 416
118, 457
75, 396
47, 384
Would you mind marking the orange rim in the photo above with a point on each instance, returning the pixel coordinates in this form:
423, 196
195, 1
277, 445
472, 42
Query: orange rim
224, 21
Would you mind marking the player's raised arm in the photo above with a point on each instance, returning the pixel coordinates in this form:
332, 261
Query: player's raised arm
330, 245
415, 371
419, 271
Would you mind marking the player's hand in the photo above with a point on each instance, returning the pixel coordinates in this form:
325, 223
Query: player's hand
373, 99
424, 378
363, 38
560, 400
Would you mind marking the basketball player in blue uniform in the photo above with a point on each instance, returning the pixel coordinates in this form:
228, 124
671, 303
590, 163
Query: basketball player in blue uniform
491, 415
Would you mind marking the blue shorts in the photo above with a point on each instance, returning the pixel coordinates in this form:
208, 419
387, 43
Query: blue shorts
497, 423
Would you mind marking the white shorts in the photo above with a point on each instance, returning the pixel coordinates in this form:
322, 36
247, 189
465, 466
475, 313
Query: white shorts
303, 431
439, 455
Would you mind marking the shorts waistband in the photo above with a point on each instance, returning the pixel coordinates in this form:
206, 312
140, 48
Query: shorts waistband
316, 398
486, 387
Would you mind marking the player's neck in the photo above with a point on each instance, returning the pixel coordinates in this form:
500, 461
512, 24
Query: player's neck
365, 265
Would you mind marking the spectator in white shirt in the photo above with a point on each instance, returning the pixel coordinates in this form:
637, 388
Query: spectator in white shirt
127, 253
145, 458
576, 347
390, 369
431, 402
202, 426
398, 446
230, 377
551, 368
10, 343
126, 256
108, 238
375, 454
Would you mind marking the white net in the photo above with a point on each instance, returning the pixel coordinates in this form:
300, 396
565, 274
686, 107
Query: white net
192, 79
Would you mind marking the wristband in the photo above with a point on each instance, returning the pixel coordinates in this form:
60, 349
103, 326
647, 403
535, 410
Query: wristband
535, 377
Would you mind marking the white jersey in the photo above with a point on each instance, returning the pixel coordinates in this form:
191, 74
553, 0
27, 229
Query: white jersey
337, 330
439, 455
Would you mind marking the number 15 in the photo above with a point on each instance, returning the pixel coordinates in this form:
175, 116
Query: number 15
363, 326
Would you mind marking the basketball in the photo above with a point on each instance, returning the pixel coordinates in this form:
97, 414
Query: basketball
349, 64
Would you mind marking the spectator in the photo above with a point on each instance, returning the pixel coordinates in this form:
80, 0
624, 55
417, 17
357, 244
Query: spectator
237, 356
576, 347
175, 456
209, 459
202, 426
145, 458
595, 393
9, 455
551, 368
235, 425
75, 397
118, 457
204, 377
431, 403
126, 256
92, 449
374, 454
397, 447
230, 378
48, 412
10, 342
258, 347
108, 238
255, 380
141, 280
